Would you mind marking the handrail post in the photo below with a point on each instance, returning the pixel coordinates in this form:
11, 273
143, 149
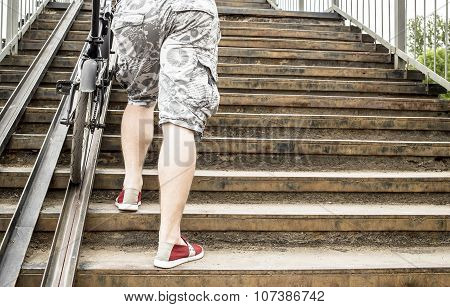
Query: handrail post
301, 5
400, 30
12, 26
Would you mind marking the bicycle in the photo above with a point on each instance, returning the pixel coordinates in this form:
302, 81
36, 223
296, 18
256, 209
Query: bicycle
88, 88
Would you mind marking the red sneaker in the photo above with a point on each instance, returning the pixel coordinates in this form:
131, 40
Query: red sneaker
170, 255
129, 205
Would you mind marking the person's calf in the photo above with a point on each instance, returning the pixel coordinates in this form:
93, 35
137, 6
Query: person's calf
176, 167
136, 137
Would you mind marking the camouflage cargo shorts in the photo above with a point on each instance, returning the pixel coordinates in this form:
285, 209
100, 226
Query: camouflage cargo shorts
167, 54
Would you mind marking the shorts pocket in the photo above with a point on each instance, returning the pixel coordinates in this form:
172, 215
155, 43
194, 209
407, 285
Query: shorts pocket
207, 6
126, 19
209, 103
199, 87
207, 59
129, 35
211, 67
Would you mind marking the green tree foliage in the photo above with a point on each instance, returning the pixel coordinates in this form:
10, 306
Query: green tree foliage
416, 34
440, 60
440, 64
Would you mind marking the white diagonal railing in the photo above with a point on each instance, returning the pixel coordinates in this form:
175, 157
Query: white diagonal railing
16, 17
415, 31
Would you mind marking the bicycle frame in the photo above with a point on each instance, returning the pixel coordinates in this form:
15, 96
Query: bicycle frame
93, 74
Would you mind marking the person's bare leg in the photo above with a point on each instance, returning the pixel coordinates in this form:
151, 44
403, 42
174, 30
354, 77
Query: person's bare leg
137, 135
176, 167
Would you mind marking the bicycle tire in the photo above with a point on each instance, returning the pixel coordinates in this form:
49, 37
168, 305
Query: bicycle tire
79, 138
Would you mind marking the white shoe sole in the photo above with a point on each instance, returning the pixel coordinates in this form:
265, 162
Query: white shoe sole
128, 207
171, 264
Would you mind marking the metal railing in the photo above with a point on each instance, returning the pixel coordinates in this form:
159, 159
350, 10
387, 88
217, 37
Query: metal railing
304, 5
16, 17
415, 31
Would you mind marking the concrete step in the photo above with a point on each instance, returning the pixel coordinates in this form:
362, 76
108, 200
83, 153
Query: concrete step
298, 87
114, 117
276, 16
261, 181
239, 32
289, 57
303, 105
239, 42
259, 70
268, 25
300, 136
322, 86
281, 103
242, 31
244, 12
248, 5
198, 217
14, 75
299, 57
302, 58
258, 55
318, 87
115, 259
296, 44
327, 162
290, 103
24, 61
274, 146
103, 215
220, 3
57, 72
322, 102
84, 25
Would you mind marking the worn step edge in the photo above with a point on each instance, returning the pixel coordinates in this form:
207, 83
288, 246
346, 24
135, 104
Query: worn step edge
245, 43
279, 100
251, 120
84, 25
257, 217
244, 32
272, 146
344, 266
291, 33
296, 44
260, 181
223, 10
266, 52
15, 73
315, 101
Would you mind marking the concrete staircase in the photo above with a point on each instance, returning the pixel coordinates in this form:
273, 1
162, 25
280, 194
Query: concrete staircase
325, 166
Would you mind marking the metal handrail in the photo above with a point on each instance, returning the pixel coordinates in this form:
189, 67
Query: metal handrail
386, 21
16, 17
21, 227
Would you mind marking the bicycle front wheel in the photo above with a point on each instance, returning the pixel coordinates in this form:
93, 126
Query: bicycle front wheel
80, 138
